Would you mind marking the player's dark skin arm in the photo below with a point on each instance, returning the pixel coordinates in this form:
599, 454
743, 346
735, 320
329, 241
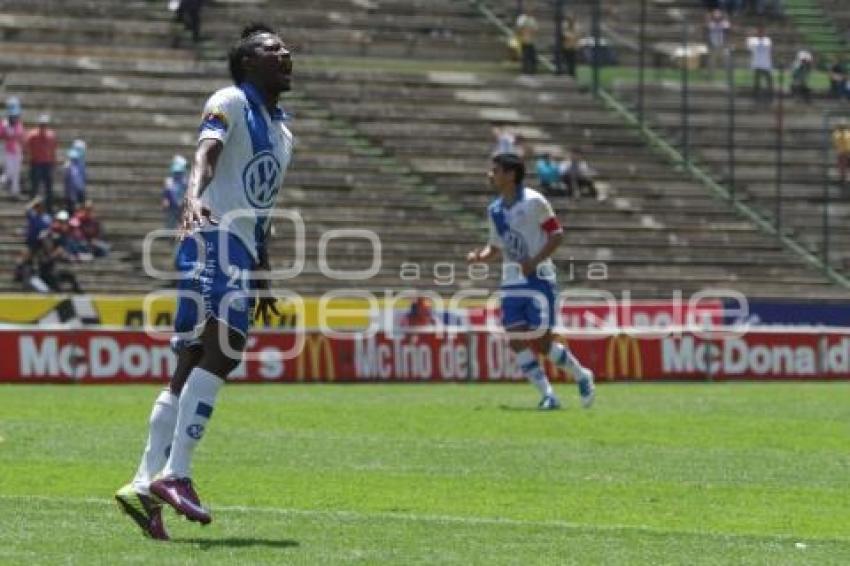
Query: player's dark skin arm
266, 306
203, 170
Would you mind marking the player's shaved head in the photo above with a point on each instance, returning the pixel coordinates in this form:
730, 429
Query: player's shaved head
511, 162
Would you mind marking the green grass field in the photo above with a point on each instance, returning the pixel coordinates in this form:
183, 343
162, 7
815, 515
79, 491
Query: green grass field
443, 474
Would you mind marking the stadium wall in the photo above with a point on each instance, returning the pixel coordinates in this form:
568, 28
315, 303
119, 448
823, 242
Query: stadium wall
132, 356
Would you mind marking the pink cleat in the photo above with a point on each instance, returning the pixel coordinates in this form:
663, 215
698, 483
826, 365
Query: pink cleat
179, 493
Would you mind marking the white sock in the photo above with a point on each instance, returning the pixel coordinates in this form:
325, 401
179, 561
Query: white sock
564, 359
195, 408
160, 432
527, 362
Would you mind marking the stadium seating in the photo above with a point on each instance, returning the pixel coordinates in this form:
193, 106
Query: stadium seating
664, 27
383, 144
802, 174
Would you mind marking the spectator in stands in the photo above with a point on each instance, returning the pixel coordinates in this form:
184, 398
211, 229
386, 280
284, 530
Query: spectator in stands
81, 147
187, 15
37, 222
420, 314
75, 180
800, 74
549, 175
41, 150
569, 44
174, 191
37, 270
69, 238
521, 147
841, 145
508, 141
838, 80
91, 229
13, 137
505, 139
717, 31
526, 30
761, 62
577, 175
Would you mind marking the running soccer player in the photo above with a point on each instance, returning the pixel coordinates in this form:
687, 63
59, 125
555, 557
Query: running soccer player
243, 151
525, 233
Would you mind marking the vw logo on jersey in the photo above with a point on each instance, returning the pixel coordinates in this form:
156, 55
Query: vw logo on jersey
515, 246
262, 179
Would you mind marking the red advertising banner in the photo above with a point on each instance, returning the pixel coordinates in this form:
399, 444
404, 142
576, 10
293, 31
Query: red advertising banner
126, 356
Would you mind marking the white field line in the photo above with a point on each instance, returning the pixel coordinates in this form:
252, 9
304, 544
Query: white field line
440, 519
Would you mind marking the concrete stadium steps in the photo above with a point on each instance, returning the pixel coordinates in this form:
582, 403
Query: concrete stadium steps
839, 12
137, 103
433, 30
338, 182
803, 164
664, 28
443, 126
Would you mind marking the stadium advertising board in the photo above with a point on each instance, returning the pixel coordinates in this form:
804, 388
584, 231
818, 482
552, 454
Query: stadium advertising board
630, 313
786, 313
348, 312
126, 356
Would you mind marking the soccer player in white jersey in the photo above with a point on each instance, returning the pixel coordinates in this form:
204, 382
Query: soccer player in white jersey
525, 233
243, 151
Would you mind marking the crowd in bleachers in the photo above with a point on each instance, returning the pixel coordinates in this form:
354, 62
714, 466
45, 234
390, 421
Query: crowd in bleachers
559, 175
718, 28
64, 231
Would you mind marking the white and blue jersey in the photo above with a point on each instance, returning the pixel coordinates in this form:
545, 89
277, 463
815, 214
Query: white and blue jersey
521, 230
217, 261
250, 170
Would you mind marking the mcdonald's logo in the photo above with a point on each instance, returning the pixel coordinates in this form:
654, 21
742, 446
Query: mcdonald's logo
623, 358
316, 348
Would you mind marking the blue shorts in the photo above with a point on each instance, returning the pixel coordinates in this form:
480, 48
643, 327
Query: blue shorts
213, 286
531, 306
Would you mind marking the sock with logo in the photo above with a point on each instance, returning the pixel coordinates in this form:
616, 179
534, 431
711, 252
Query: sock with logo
564, 359
531, 369
160, 432
195, 408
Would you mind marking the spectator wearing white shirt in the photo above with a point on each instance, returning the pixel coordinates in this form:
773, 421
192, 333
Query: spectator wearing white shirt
761, 51
717, 29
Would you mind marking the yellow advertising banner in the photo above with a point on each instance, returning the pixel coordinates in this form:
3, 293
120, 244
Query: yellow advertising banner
136, 311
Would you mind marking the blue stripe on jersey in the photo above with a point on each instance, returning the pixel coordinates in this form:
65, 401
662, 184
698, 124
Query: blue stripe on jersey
258, 130
214, 122
497, 213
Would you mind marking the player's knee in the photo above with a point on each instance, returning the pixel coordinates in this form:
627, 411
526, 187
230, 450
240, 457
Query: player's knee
218, 366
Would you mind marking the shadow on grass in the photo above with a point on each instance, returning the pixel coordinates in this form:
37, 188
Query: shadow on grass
238, 542
523, 409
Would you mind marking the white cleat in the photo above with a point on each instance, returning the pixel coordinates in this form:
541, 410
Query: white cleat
549, 403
